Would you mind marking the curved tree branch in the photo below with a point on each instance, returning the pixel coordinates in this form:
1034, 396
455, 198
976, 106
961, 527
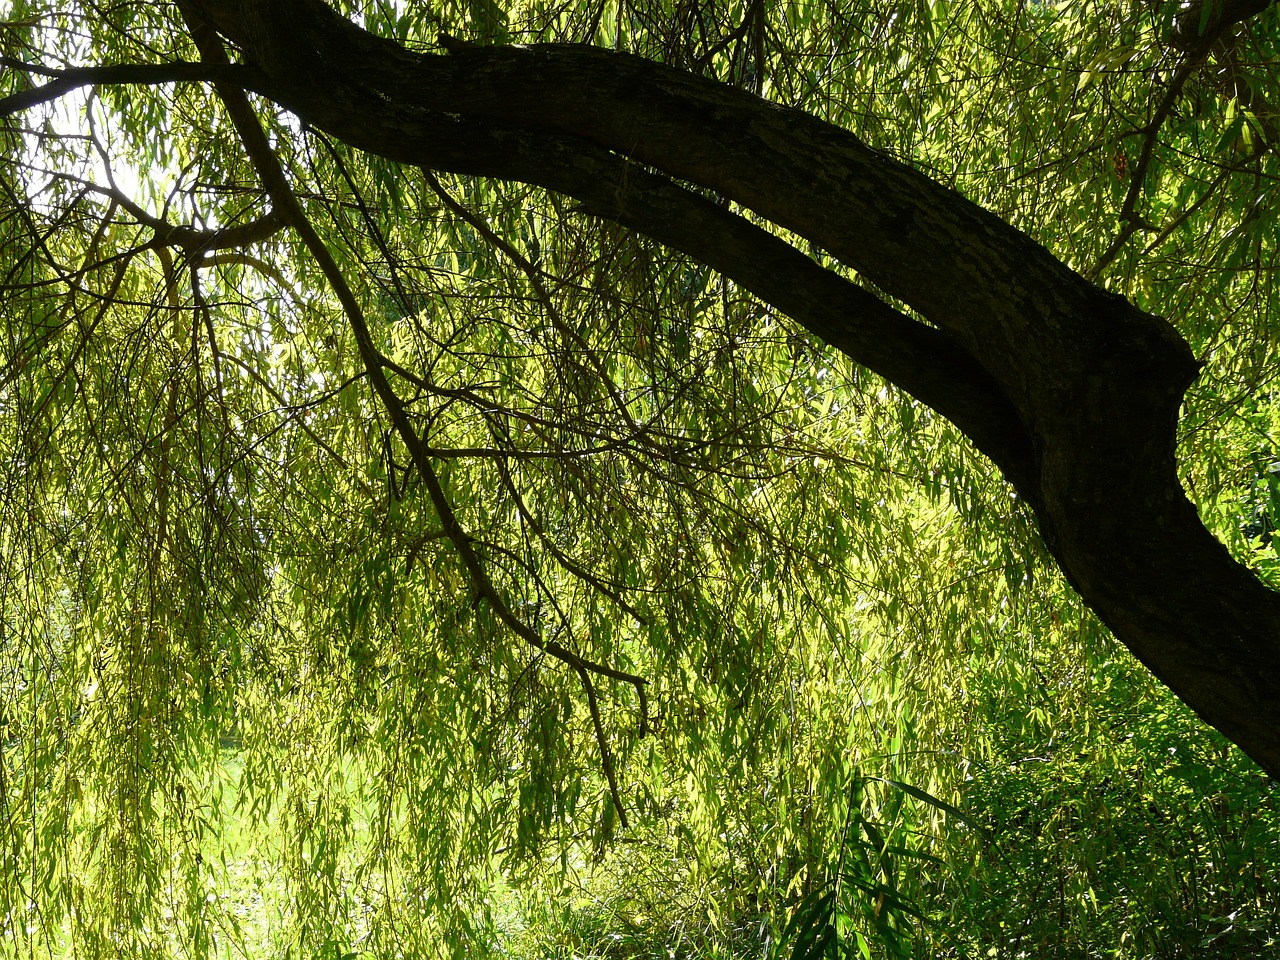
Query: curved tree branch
73, 78
1072, 391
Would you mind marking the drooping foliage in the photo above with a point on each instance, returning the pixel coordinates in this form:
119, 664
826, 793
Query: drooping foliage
755, 655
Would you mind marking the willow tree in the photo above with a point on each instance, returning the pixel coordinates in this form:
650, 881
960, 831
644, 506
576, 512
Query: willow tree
476, 371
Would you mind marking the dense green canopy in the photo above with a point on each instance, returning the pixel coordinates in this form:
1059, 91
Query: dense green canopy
623, 477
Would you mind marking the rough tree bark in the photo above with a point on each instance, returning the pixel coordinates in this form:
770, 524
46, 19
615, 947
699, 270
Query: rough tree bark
1073, 392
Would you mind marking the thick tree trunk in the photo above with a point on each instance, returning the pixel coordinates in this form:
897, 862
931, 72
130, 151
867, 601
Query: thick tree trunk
1072, 391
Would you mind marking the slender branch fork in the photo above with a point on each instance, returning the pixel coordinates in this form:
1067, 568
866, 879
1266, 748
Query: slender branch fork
1197, 39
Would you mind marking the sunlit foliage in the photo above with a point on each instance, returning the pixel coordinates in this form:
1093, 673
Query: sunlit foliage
255, 704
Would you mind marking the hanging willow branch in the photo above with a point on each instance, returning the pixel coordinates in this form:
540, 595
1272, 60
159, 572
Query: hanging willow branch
290, 211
